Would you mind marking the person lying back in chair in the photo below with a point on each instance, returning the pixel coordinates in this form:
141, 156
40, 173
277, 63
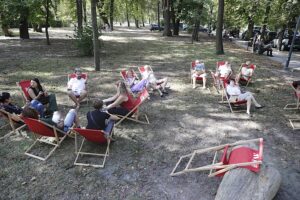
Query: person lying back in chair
199, 71
154, 83
235, 94
77, 88
135, 85
99, 119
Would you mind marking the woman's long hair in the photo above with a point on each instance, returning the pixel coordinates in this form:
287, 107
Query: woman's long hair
122, 87
39, 86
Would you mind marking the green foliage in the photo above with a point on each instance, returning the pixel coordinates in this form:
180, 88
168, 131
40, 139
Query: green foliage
84, 40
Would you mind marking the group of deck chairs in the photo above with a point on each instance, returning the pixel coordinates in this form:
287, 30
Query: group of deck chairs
49, 134
230, 156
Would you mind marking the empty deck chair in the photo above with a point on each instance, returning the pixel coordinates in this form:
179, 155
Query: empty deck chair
23, 86
233, 156
295, 123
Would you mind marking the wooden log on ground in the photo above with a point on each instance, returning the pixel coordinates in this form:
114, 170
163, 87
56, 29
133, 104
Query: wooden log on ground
243, 184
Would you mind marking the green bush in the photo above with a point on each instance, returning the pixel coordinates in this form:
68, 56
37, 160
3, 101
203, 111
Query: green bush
84, 40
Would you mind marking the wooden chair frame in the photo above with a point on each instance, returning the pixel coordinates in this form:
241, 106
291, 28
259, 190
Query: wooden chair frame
292, 121
250, 77
293, 106
80, 152
86, 85
42, 139
11, 122
224, 93
220, 167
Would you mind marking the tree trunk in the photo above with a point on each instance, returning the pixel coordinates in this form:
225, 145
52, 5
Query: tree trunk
250, 28
196, 30
265, 22
111, 15
158, 14
39, 28
242, 184
102, 14
136, 21
177, 20
79, 15
47, 22
23, 28
167, 17
210, 19
95, 35
127, 14
143, 20
84, 11
173, 19
219, 39
5, 27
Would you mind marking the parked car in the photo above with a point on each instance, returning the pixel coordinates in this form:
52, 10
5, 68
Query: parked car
154, 27
287, 41
202, 29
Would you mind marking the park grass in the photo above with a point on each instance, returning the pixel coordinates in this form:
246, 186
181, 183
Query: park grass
143, 155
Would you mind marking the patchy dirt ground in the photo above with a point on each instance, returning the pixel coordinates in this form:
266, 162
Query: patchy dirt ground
143, 156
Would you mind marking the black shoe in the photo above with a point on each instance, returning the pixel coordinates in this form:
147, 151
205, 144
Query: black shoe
165, 92
259, 107
162, 95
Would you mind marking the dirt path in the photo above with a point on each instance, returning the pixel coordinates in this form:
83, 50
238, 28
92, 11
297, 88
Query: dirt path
144, 155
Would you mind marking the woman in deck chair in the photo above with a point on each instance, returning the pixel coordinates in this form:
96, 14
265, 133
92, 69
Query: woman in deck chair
224, 71
154, 83
37, 92
235, 94
7, 105
99, 119
135, 85
115, 104
246, 72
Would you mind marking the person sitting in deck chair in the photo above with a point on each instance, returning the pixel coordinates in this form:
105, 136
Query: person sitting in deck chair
38, 93
115, 104
199, 71
62, 122
224, 71
7, 105
155, 84
246, 72
77, 88
235, 94
99, 119
135, 85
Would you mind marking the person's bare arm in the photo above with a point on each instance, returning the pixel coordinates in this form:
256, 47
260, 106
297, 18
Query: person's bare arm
117, 102
111, 98
32, 95
113, 117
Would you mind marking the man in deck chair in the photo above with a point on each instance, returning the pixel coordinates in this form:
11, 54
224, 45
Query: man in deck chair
156, 84
99, 119
199, 71
77, 88
235, 94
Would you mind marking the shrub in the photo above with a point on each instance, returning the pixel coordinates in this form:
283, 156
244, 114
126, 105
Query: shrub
84, 40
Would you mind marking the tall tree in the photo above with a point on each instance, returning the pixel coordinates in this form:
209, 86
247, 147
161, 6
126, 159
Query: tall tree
167, 17
84, 11
79, 15
95, 35
111, 15
23, 28
158, 14
219, 39
47, 21
177, 18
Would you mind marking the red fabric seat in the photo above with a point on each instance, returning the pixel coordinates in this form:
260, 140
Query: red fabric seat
96, 136
24, 85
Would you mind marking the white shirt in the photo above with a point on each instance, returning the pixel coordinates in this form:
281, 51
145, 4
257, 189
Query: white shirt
233, 90
224, 70
150, 76
77, 85
246, 71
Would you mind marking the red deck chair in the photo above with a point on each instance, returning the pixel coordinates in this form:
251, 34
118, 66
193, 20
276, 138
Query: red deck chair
294, 106
142, 70
236, 156
198, 78
44, 131
133, 105
231, 104
12, 123
96, 136
246, 80
218, 80
23, 86
84, 76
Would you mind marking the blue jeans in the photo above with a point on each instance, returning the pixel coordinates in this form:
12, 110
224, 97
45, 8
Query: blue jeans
109, 127
38, 106
69, 120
